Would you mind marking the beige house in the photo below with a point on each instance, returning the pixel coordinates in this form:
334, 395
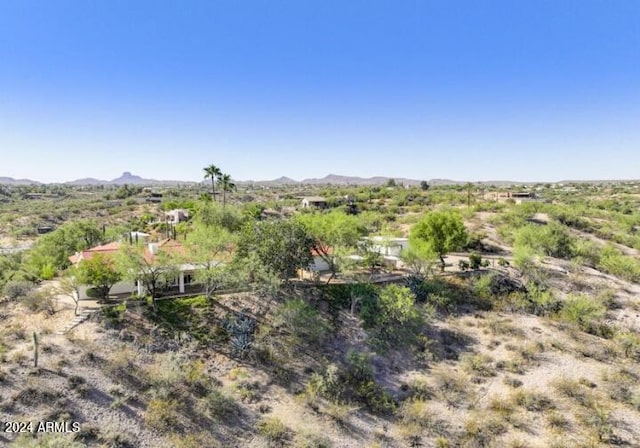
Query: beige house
176, 216
518, 197
314, 202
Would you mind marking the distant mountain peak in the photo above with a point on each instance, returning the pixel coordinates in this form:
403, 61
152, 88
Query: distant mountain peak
12, 181
284, 180
127, 177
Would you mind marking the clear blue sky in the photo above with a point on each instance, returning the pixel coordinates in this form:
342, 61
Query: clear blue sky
473, 90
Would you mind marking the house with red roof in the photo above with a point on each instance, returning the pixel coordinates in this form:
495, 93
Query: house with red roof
150, 253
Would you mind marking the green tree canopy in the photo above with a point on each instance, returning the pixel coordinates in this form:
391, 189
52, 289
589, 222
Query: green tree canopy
51, 252
99, 272
210, 248
212, 214
333, 233
212, 172
438, 233
282, 247
135, 264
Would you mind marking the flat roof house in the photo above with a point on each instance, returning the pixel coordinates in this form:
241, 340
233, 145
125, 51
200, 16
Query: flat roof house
314, 202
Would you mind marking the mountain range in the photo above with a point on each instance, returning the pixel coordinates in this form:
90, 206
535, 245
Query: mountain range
334, 179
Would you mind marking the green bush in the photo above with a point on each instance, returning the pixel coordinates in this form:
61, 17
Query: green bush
273, 430
37, 301
16, 289
583, 311
302, 322
613, 262
552, 240
162, 414
220, 405
475, 260
393, 318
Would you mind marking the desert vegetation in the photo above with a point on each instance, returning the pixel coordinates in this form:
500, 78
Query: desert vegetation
501, 324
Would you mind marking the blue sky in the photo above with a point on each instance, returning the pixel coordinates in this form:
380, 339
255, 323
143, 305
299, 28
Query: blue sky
469, 90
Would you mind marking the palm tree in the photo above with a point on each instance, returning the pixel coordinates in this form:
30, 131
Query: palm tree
212, 172
227, 185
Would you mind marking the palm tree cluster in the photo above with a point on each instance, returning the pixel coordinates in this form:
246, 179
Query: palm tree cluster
224, 181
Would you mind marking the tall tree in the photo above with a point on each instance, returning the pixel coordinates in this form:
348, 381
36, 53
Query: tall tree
282, 247
212, 172
334, 234
227, 186
69, 285
51, 251
210, 249
99, 272
153, 272
438, 233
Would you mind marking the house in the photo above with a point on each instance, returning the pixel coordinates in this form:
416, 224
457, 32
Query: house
390, 248
41, 230
138, 236
317, 266
314, 202
517, 197
176, 216
185, 276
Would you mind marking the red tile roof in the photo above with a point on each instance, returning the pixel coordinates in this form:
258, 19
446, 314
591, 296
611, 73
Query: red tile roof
104, 249
113, 248
324, 248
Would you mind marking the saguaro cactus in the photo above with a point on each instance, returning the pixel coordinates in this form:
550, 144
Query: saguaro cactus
35, 349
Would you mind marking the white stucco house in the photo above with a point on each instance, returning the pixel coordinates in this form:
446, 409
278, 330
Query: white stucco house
390, 248
176, 216
185, 276
314, 202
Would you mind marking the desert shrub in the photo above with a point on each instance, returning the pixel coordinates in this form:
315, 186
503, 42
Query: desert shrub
37, 301
571, 388
524, 257
45, 440
16, 289
220, 405
198, 440
453, 388
532, 401
629, 343
355, 383
598, 418
557, 421
535, 299
161, 414
273, 430
583, 311
463, 265
552, 240
482, 431
614, 263
311, 440
475, 260
418, 286
302, 322
586, 252
393, 318
416, 412
478, 364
